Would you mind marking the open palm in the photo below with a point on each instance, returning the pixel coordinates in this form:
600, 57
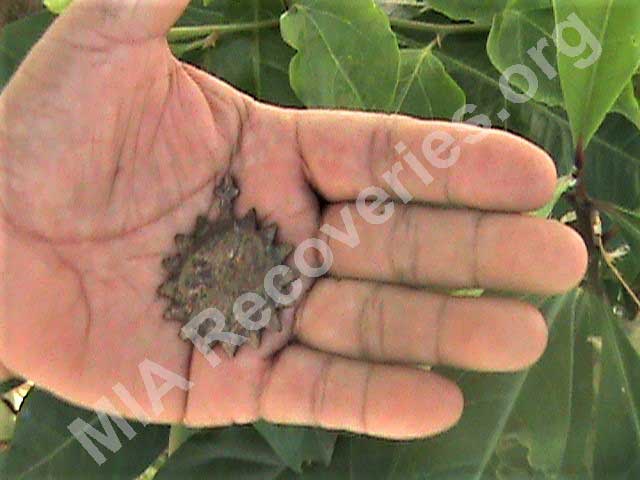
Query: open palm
109, 147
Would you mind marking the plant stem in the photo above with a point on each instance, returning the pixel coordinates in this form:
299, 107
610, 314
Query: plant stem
439, 28
183, 47
586, 212
182, 34
177, 436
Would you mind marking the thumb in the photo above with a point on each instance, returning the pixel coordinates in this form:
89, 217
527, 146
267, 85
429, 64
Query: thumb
66, 74
129, 21
88, 28
84, 31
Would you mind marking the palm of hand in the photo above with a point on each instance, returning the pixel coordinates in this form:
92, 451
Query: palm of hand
108, 152
162, 136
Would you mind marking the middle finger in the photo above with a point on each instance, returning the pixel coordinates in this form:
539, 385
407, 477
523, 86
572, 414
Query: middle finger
423, 246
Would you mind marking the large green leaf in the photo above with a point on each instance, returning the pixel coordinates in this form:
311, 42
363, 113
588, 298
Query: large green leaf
256, 62
236, 453
555, 431
526, 28
563, 185
537, 57
199, 14
513, 462
629, 105
613, 168
7, 424
57, 6
16, 39
617, 426
614, 153
362, 458
10, 384
592, 80
469, 9
241, 453
466, 60
298, 446
538, 407
425, 89
481, 10
43, 446
629, 223
347, 54
403, 8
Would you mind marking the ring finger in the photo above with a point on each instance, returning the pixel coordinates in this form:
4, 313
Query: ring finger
384, 322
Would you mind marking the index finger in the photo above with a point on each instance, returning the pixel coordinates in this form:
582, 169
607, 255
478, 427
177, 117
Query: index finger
438, 162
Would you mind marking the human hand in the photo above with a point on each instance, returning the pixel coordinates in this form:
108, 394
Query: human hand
109, 147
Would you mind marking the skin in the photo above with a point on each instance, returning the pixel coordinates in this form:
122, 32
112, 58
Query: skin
109, 147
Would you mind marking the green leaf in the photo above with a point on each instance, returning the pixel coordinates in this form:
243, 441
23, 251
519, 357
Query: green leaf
629, 223
16, 39
539, 406
613, 171
10, 384
474, 10
513, 462
617, 425
482, 10
259, 69
424, 88
565, 183
402, 8
298, 446
57, 6
466, 60
243, 453
178, 434
7, 424
256, 62
43, 446
526, 28
236, 453
614, 153
199, 14
532, 30
347, 54
594, 74
628, 105
7, 427
362, 458
555, 430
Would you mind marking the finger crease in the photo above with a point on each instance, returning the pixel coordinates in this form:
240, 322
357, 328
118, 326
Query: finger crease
397, 273
382, 322
299, 312
440, 322
383, 132
306, 169
414, 237
263, 384
447, 187
319, 390
475, 250
365, 398
371, 314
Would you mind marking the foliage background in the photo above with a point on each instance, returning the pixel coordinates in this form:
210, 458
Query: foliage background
576, 414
